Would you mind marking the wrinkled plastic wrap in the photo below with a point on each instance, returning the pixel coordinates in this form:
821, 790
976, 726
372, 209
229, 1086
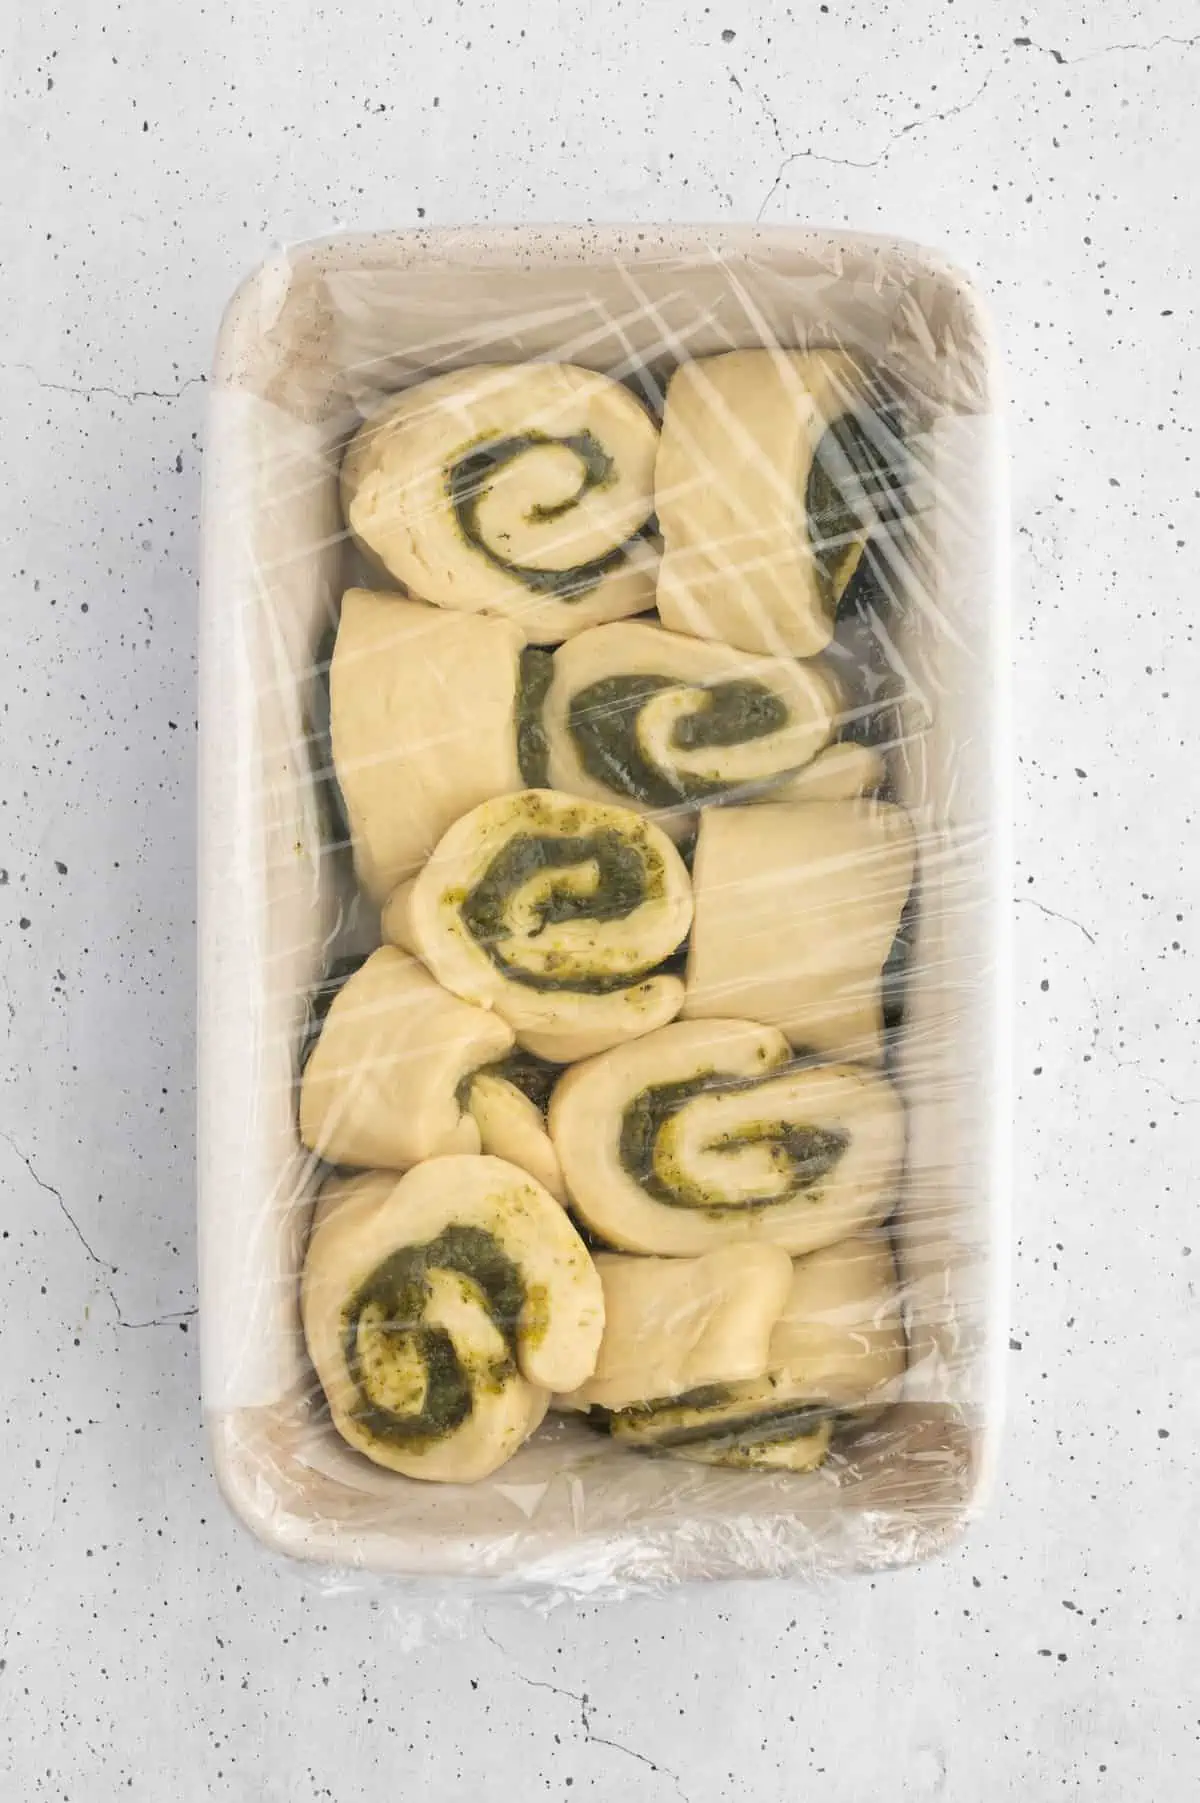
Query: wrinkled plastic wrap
869, 843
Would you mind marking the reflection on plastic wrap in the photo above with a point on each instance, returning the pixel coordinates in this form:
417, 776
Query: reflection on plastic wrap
603, 877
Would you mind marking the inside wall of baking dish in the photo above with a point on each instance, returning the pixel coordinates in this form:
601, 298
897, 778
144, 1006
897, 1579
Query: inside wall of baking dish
310, 343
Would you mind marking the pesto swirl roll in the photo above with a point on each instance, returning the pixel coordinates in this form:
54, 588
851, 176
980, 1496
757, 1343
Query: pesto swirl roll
441, 1308
842, 772
705, 1134
837, 1355
388, 1082
523, 489
396, 1070
656, 720
774, 469
430, 714
511, 1119
674, 1324
798, 905
557, 913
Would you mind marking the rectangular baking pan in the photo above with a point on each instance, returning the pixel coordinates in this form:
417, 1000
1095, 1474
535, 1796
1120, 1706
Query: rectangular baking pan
311, 340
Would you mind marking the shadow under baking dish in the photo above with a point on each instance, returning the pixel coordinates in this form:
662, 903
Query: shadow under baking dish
311, 341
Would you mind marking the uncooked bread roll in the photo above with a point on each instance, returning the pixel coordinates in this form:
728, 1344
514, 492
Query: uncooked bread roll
704, 1135
671, 1324
522, 489
383, 1083
555, 912
655, 720
441, 1308
772, 470
837, 1352
797, 907
839, 773
512, 1126
430, 713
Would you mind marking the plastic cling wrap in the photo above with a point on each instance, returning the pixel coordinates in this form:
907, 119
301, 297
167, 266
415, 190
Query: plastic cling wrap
603, 1102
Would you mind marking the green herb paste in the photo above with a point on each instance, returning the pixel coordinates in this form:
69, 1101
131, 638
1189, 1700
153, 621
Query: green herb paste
382, 1328
533, 749
623, 884
855, 456
468, 479
811, 1152
603, 722
672, 1422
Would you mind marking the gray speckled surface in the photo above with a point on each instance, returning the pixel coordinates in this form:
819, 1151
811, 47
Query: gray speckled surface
148, 1648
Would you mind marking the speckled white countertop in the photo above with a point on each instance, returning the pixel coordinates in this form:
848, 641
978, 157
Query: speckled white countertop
151, 154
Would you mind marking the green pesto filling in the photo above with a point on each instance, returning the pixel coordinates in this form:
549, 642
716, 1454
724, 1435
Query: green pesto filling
811, 1152
672, 1423
467, 482
524, 1070
326, 787
530, 1074
623, 884
533, 747
851, 455
893, 982
603, 722
390, 1306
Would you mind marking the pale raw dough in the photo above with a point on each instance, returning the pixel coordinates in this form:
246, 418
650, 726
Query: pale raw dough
840, 1335
839, 773
511, 1126
681, 776
671, 1324
797, 906
549, 1003
364, 1222
838, 1347
739, 437
721, 1155
423, 708
555, 517
380, 1087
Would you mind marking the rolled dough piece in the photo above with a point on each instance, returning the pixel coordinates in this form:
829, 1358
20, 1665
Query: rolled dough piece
424, 710
382, 1085
522, 489
705, 1134
556, 912
440, 1310
797, 906
773, 469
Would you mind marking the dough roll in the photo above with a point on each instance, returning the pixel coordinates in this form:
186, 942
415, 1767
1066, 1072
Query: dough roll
797, 907
430, 714
656, 721
520, 489
773, 469
837, 1354
441, 1308
510, 1112
672, 1324
555, 912
839, 773
383, 1084
704, 1134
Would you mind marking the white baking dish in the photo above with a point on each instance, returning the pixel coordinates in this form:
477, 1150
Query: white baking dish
314, 336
